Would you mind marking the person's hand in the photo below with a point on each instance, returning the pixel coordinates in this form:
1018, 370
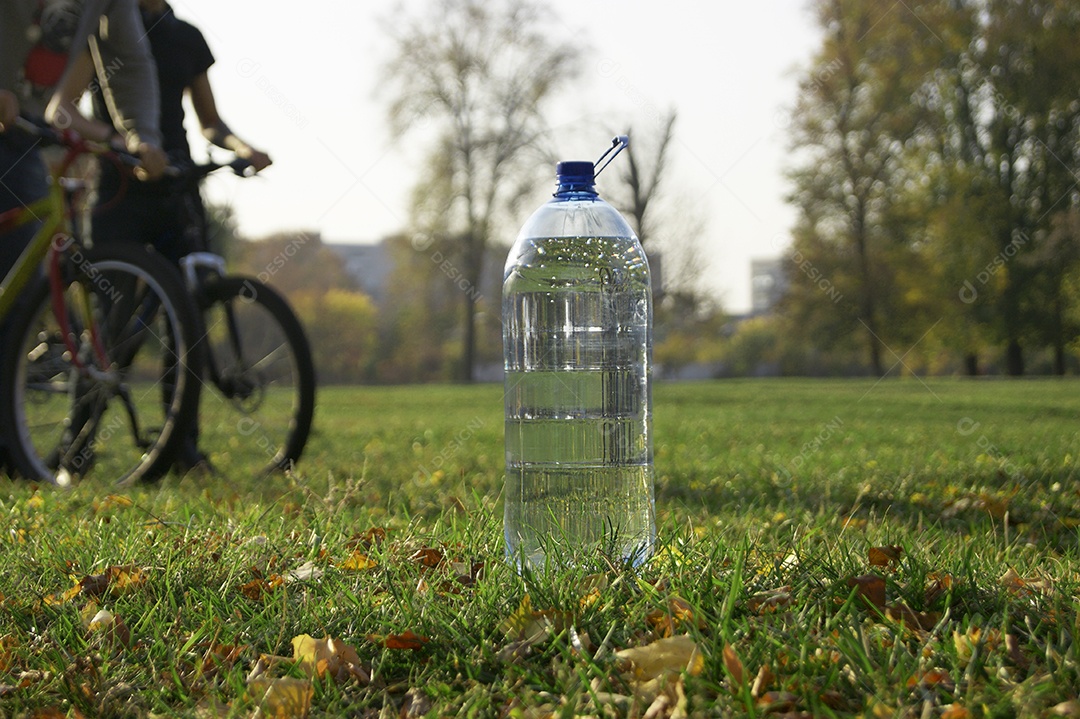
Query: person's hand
9, 109
259, 160
152, 162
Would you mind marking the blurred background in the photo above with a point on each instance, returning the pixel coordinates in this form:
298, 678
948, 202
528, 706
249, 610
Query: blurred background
825, 187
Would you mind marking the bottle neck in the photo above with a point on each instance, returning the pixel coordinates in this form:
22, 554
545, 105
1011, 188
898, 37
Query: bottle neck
576, 190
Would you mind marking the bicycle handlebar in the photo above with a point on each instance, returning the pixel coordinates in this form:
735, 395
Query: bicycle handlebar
197, 171
75, 142
71, 140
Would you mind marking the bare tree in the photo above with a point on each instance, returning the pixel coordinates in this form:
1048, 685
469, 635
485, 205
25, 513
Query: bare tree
646, 161
478, 75
643, 178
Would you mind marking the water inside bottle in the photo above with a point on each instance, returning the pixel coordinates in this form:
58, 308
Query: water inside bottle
578, 454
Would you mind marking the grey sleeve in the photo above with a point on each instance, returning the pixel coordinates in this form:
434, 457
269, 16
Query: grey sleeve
114, 31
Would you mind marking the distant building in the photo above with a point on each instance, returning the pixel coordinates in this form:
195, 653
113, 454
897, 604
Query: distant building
768, 283
369, 266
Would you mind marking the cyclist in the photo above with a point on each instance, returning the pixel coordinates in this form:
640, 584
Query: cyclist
171, 216
49, 51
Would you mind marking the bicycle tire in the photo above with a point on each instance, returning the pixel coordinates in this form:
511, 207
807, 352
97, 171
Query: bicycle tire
120, 405
256, 356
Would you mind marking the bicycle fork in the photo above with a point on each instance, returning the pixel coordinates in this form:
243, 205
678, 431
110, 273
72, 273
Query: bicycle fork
196, 267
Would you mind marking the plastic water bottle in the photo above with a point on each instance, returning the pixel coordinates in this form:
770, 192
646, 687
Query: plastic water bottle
577, 344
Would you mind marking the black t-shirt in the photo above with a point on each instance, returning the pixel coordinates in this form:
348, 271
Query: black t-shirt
181, 55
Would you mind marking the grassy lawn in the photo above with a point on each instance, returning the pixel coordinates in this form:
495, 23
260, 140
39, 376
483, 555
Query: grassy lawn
826, 548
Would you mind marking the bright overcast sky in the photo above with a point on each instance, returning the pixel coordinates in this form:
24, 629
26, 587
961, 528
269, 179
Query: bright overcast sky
301, 81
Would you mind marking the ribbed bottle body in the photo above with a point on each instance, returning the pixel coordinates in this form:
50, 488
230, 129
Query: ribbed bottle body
577, 329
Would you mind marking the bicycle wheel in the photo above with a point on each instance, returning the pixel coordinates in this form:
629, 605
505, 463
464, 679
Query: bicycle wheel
258, 363
104, 379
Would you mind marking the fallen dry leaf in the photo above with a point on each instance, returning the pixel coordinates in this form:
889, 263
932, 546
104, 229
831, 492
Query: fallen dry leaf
1070, 708
734, 668
665, 697
415, 704
762, 681
1012, 581
8, 644
281, 698
115, 580
110, 501
591, 588
770, 600
528, 625
955, 711
678, 613
1014, 647
901, 612
884, 556
256, 588
367, 539
937, 586
427, 557
406, 640
56, 713
777, 702
965, 643
932, 678
328, 657
306, 572
358, 561
871, 588
672, 654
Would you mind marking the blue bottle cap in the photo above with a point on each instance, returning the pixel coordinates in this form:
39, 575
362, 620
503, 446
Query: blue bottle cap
575, 172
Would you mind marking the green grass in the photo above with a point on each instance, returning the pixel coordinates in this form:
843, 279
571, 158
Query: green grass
764, 489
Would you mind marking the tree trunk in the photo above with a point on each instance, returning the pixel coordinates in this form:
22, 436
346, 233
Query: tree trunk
1014, 358
868, 295
468, 351
473, 271
875, 350
1059, 335
971, 364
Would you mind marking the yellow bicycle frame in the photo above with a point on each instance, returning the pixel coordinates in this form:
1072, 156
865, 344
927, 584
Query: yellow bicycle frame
49, 209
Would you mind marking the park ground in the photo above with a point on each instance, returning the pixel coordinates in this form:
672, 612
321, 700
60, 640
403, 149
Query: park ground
826, 547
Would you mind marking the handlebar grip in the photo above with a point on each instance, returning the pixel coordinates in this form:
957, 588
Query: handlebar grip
38, 128
242, 167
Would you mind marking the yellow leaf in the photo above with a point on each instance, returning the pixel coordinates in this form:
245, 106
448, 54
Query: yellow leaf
111, 501
528, 625
125, 579
591, 587
668, 554
328, 656
671, 654
513, 625
358, 562
282, 698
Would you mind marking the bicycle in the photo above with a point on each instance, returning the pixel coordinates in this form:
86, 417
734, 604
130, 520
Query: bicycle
252, 350
98, 367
